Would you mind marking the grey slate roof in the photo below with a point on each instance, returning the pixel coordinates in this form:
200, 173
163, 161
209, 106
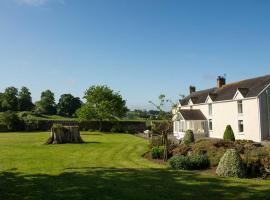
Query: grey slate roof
248, 88
192, 114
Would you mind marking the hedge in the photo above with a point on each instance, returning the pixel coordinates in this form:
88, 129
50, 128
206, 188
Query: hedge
107, 126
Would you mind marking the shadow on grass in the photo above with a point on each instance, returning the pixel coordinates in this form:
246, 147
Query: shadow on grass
127, 184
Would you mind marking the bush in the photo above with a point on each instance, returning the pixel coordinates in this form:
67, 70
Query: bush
157, 152
228, 134
231, 165
192, 162
183, 149
188, 138
11, 121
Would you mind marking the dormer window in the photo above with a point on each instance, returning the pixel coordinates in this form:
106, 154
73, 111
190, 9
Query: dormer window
210, 109
240, 107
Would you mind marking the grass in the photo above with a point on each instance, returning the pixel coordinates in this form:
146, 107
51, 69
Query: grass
108, 166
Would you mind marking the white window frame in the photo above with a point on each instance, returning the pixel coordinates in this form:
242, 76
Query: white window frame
210, 109
241, 123
240, 111
210, 121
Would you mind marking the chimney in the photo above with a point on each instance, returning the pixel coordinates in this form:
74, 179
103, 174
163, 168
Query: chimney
221, 81
192, 89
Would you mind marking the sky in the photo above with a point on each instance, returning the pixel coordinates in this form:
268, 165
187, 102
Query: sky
141, 48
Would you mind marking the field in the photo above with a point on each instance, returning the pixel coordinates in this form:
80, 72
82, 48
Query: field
107, 166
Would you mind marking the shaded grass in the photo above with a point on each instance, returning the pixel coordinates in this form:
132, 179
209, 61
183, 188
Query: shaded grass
108, 166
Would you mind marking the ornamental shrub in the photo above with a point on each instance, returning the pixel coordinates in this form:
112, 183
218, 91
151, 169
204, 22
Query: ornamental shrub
231, 165
157, 152
188, 138
192, 162
228, 134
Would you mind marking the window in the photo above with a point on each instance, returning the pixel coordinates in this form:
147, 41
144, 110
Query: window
240, 126
210, 109
240, 107
210, 125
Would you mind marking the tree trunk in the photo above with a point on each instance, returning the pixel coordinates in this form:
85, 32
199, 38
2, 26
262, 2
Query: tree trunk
65, 134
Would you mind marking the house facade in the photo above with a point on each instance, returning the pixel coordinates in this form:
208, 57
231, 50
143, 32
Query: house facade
245, 105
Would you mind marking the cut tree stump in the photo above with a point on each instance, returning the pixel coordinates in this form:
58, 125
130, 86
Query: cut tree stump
65, 134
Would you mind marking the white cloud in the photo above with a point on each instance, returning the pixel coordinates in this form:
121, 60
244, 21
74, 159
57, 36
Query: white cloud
38, 2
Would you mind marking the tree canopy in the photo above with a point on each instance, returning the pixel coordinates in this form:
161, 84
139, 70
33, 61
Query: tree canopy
47, 104
25, 100
102, 103
68, 104
10, 99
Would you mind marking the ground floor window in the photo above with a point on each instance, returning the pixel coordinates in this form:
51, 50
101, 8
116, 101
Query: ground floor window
240, 126
210, 125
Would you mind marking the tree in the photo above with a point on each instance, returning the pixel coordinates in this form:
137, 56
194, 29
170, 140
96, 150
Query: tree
68, 105
46, 105
165, 126
1, 100
25, 100
102, 103
10, 99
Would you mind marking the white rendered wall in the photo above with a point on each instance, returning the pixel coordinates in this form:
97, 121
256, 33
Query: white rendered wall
226, 113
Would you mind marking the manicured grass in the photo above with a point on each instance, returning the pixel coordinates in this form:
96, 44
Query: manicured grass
108, 166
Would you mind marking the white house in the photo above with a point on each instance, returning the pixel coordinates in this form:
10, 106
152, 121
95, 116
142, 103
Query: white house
245, 105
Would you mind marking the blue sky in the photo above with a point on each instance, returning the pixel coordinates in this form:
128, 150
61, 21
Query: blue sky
141, 48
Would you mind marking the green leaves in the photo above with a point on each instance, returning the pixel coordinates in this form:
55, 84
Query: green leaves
102, 103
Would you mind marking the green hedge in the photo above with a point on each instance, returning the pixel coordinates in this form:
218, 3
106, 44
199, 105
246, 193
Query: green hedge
11, 121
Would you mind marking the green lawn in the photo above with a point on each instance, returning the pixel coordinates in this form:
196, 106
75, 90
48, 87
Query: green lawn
108, 166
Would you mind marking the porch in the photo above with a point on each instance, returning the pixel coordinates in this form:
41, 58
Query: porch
190, 120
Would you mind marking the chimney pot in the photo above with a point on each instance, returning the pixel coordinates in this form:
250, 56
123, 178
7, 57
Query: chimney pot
221, 81
192, 89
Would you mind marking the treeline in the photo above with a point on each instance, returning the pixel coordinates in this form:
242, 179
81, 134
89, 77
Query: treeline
148, 114
13, 99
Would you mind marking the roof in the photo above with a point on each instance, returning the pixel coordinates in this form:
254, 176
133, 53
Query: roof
192, 114
248, 88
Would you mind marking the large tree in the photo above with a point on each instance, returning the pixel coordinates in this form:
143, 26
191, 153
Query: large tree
10, 99
68, 105
46, 105
1, 99
102, 103
25, 100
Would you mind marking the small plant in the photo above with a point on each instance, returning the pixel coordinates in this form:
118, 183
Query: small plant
188, 138
192, 162
157, 152
231, 165
228, 134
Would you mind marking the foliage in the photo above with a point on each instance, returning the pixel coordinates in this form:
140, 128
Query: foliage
46, 105
188, 137
25, 100
11, 121
68, 105
10, 99
228, 134
157, 152
182, 149
231, 165
102, 103
192, 162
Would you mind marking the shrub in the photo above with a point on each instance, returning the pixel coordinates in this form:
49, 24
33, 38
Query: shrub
228, 134
192, 162
156, 141
183, 149
188, 138
231, 165
11, 121
157, 152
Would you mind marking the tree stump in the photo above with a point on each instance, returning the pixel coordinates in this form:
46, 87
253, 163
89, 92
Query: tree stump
65, 134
